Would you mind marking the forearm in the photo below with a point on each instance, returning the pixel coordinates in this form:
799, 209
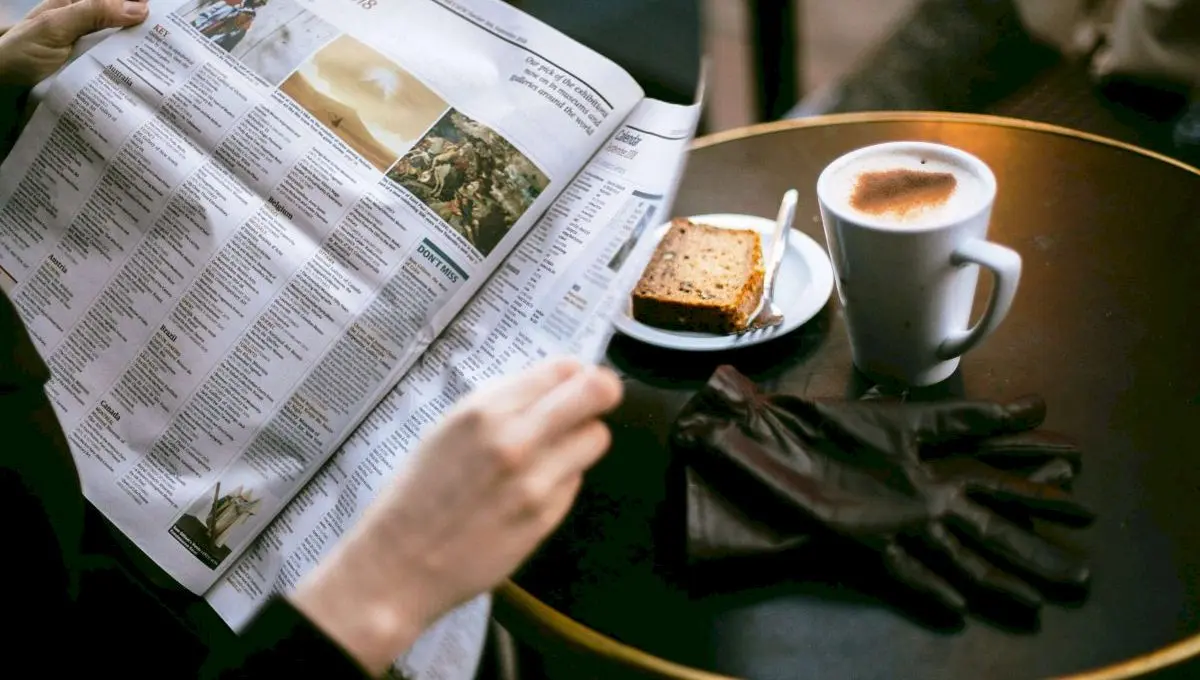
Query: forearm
352, 598
345, 619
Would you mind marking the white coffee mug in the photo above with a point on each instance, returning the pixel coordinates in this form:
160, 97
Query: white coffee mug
907, 290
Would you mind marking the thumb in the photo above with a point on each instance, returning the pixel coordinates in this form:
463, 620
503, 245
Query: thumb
949, 421
65, 25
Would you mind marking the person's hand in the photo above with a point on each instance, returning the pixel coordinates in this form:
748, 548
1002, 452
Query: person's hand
487, 484
41, 42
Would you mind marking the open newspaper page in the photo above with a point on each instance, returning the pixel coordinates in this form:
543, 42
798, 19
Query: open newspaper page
231, 230
555, 295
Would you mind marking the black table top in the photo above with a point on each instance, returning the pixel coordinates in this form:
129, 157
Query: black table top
1103, 327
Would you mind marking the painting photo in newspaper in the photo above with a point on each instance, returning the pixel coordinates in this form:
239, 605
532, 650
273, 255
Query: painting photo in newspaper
271, 37
473, 178
375, 106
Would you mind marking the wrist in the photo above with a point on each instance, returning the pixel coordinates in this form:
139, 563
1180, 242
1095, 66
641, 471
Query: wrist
348, 600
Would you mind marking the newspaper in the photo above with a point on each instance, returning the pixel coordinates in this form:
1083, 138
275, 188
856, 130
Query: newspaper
225, 274
262, 244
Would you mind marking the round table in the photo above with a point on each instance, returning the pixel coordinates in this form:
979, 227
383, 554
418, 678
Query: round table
1103, 327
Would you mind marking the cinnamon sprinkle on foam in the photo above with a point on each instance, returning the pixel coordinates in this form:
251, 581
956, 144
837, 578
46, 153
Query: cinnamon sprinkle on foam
901, 191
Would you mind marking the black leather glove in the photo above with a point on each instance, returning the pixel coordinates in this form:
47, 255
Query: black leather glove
767, 473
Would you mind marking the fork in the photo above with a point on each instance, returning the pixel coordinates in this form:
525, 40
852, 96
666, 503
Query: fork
767, 313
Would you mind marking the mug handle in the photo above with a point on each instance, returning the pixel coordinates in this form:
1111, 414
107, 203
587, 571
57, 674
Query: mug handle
1005, 265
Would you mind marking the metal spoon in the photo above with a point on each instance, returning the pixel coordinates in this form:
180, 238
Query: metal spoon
767, 313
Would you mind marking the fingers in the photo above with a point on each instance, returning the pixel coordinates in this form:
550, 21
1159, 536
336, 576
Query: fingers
546, 415
1025, 448
1022, 549
943, 422
978, 570
70, 22
558, 503
586, 395
517, 391
734, 387
726, 392
909, 571
950, 424
877, 394
574, 453
1042, 500
1057, 472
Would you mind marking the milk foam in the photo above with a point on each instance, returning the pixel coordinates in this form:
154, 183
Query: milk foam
967, 196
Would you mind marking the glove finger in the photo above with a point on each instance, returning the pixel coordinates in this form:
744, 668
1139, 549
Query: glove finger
1020, 548
877, 394
937, 423
912, 573
1016, 450
1042, 500
980, 571
1057, 472
731, 387
727, 396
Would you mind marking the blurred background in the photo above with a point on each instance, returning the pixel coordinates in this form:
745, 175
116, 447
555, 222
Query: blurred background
1125, 69
812, 44
827, 37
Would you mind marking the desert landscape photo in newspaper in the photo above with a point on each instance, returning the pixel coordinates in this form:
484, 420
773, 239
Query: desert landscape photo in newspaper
372, 104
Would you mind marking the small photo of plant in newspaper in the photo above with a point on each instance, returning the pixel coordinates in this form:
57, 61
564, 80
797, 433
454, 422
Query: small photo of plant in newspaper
211, 524
618, 259
374, 106
271, 37
473, 178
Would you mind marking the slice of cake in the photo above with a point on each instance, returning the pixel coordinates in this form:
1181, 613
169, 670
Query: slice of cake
701, 278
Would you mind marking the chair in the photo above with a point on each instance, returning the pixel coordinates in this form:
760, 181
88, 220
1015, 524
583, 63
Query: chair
975, 56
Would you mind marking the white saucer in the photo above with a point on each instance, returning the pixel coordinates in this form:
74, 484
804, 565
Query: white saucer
804, 285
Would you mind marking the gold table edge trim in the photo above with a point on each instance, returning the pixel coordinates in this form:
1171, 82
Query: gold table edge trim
928, 117
524, 603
